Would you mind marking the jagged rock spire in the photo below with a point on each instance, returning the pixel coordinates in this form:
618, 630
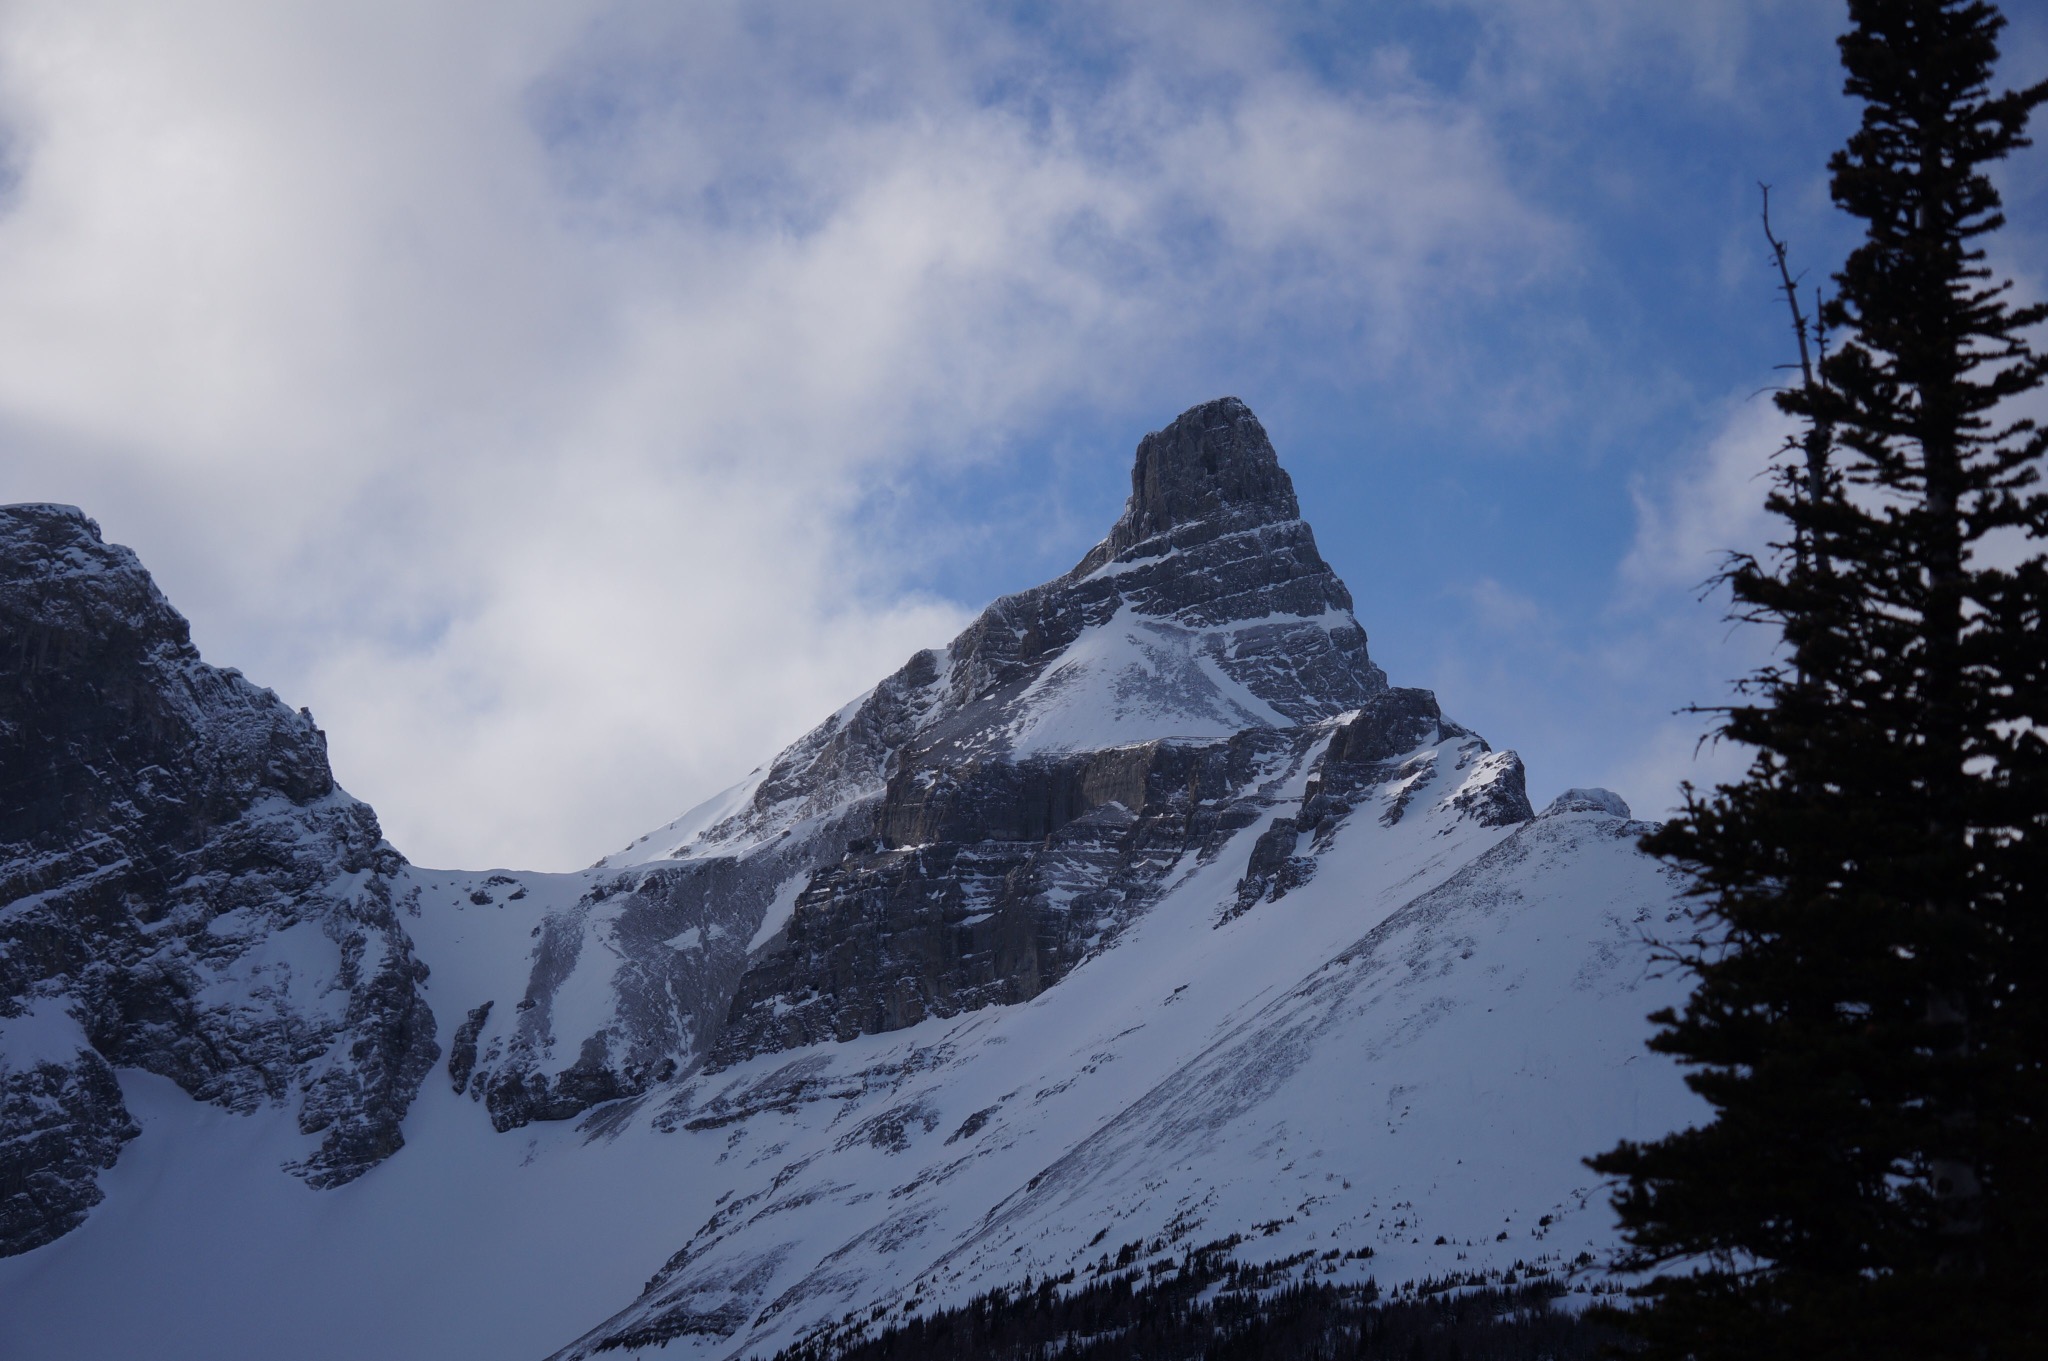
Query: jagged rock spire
1214, 459
1206, 611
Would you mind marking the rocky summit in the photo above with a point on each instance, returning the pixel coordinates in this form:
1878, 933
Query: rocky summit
1145, 916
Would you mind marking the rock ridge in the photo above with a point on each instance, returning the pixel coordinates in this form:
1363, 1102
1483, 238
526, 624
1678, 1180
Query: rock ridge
183, 889
1207, 609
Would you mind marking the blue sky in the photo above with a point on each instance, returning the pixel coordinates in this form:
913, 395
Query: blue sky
572, 403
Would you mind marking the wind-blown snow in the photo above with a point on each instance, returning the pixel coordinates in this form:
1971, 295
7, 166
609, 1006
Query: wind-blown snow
45, 1033
1134, 679
778, 911
675, 839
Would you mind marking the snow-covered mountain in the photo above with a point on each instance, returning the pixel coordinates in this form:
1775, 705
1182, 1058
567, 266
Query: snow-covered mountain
186, 892
1146, 914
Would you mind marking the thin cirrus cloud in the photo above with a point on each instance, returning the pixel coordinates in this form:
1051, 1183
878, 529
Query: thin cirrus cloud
500, 380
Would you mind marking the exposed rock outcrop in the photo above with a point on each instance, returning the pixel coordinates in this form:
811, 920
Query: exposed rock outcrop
663, 947
1206, 611
1009, 799
989, 881
1588, 801
64, 1123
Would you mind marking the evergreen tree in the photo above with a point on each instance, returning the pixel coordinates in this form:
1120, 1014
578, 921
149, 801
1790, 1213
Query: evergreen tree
1872, 952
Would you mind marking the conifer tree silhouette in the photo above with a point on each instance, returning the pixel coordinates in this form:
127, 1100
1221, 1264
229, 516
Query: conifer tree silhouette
1871, 956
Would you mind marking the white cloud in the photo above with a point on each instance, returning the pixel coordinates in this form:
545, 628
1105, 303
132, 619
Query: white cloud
1686, 527
1529, 44
497, 379
1670, 755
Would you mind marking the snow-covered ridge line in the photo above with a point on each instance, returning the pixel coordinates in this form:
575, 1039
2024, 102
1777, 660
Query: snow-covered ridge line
1204, 1078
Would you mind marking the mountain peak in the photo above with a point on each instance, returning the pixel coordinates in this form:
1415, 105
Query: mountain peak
1213, 460
1209, 473
1205, 613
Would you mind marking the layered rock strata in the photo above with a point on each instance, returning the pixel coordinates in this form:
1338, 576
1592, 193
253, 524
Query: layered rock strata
988, 882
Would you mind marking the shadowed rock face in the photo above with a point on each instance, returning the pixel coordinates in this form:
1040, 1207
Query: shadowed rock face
1214, 465
665, 1005
989, 882
64, 1121
159, 821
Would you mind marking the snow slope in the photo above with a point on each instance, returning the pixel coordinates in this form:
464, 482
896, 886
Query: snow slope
1422, 1041
1419, 1042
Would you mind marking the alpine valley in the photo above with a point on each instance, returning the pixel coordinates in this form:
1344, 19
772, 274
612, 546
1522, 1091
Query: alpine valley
1143, 919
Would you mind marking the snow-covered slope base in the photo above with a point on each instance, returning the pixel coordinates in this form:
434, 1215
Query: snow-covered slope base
1418, 1044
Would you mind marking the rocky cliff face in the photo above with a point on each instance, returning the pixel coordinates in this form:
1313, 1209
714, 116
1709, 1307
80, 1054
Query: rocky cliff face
1026, 795
626, 986
183, 889
1206, 611
987, 881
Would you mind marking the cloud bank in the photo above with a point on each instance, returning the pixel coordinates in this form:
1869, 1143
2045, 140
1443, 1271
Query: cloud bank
501, 380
